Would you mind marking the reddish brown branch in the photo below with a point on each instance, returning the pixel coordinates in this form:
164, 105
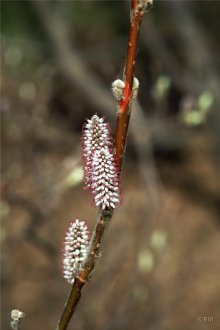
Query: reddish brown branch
138, 8
103, 218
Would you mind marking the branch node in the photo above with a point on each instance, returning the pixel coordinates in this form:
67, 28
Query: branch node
82, 280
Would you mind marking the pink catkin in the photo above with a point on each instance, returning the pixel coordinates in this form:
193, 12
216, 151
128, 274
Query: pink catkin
100, 172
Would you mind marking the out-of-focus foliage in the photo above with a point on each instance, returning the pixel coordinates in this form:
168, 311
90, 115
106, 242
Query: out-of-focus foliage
18, 19
194, 113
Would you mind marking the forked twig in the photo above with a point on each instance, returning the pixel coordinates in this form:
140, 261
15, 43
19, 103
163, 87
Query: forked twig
138, 8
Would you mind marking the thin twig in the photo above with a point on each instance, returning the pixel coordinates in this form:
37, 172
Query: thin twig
138, 8
103, 218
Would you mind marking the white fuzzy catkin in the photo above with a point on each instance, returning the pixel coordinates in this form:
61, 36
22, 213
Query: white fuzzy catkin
96, 134
100, 171
75, 249
105, 187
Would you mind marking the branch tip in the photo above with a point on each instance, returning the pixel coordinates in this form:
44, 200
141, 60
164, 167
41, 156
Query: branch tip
16, 318
144, 5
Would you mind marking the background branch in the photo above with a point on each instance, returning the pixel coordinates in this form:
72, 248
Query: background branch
69, 60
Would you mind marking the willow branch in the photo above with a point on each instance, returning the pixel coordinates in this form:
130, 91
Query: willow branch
138, 8
103, 218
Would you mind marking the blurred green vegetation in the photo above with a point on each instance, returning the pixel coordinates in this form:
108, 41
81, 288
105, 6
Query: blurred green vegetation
19, 18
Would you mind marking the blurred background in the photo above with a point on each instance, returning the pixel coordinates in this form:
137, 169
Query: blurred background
159, 267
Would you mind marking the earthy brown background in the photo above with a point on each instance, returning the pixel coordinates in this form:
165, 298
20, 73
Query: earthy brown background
159, 268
